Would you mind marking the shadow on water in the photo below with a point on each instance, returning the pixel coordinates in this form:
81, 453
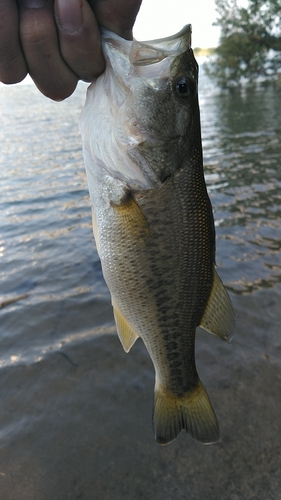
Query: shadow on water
241, 138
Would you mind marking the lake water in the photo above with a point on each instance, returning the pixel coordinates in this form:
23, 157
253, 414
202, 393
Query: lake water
46, 244
48, 254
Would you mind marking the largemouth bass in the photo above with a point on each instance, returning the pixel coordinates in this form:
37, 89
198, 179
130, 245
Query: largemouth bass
153, 221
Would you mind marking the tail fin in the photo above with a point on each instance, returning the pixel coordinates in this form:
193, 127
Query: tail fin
192, 412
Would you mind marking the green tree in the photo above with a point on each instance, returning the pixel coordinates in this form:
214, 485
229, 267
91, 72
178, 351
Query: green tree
250, 42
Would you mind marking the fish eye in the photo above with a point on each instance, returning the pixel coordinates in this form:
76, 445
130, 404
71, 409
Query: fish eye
183, 86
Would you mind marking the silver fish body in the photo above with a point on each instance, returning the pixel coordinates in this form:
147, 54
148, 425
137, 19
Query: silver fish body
153, 220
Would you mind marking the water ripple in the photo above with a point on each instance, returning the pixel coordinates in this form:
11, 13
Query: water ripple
46, 244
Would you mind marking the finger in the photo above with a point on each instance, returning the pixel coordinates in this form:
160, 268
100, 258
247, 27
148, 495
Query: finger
13, 67
117, 15
40, 44
79, 37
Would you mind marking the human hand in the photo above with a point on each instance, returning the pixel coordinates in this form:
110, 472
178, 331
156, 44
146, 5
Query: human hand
58, 41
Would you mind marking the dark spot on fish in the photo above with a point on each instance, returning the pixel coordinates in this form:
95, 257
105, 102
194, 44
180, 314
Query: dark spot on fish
175, 371
171, 346
177, 384
172, 355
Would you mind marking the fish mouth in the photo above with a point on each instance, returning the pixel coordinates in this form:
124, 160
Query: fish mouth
187, 29
149, 52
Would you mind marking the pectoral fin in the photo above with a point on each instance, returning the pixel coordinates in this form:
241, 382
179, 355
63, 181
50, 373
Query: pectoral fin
131, 217
218, 317
125, 332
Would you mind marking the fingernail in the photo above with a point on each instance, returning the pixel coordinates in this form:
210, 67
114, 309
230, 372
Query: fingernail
34, 4
69, 14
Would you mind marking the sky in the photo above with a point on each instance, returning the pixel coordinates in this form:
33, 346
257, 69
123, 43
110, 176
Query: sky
161, 18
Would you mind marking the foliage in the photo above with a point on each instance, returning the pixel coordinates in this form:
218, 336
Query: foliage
250, 42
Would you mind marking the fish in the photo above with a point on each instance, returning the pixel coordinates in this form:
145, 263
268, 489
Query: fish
153, 220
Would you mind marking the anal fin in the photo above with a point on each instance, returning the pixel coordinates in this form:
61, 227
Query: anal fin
218, 317
125, 332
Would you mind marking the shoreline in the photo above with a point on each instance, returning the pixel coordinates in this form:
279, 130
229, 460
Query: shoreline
78, 424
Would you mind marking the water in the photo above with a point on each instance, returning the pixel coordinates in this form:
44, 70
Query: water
47, 247
242, 151
72, 403
46, 244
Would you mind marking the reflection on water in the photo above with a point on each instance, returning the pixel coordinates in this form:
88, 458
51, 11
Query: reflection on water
242, 151
46, 241
46, 244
